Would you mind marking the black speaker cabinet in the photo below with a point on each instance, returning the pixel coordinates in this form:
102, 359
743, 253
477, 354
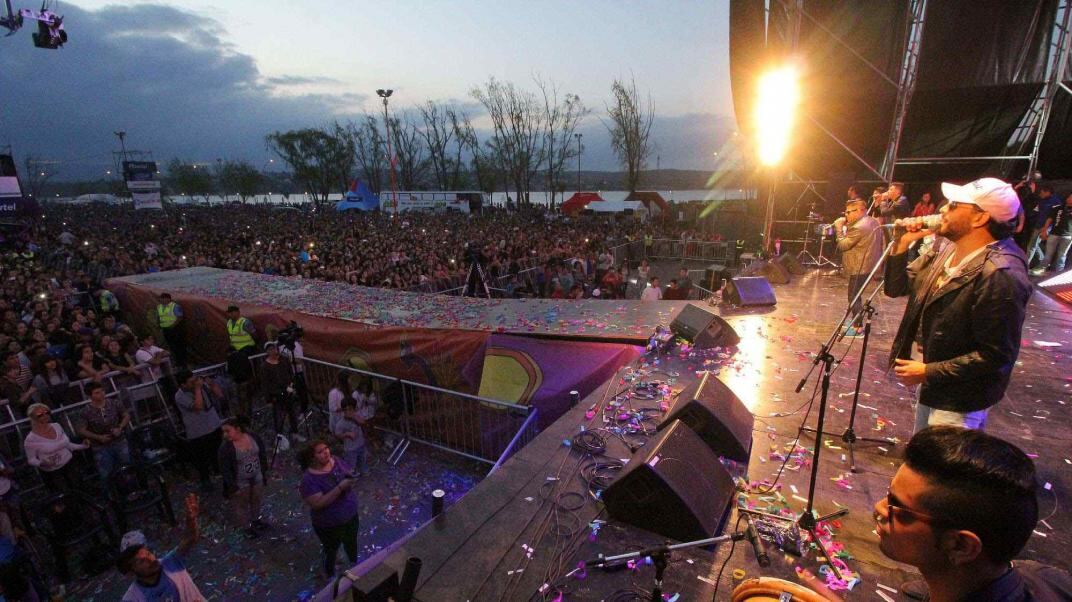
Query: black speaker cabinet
674, 486
745, 291
378, 584
717, 415
703, 329
790, 263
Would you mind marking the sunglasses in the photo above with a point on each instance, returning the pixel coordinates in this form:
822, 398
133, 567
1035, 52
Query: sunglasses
894, 507
954, 204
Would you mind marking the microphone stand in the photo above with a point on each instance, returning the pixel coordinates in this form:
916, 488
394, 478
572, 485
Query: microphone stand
848, 436
660, 556
808, 521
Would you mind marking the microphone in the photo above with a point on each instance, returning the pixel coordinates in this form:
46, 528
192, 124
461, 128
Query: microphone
758, 547
929, 222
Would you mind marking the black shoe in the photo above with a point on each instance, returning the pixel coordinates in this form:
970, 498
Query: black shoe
916, 589
260, 525
250, 532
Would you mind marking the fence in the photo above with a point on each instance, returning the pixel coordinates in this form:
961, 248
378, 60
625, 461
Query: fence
478, 428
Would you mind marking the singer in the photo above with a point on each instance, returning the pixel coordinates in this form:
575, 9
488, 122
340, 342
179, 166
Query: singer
859, 238
960, 334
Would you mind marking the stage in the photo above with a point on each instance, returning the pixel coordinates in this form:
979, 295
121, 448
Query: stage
531, 522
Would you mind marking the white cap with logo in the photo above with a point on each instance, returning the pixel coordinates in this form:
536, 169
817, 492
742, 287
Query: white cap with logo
992, 195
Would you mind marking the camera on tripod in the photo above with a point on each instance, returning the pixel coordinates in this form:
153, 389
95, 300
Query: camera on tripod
288, 337
474, 254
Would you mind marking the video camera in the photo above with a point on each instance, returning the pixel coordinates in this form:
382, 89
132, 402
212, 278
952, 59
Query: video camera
474, 254
289, 336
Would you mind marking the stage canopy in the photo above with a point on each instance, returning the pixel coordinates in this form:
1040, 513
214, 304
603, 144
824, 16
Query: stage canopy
579, 201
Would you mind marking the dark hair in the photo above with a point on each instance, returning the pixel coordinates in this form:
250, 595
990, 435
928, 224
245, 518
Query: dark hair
125, 561
182, 376
165, 295
232, 308
1002, 230
91, 387
238, 421
348, 403
1045, 187
308, 453
979, 483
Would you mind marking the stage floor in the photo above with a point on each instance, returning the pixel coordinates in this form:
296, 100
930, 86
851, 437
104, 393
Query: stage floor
474, 551
613, 320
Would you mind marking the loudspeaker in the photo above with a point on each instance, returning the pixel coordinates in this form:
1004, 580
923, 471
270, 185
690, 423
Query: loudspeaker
674, 486
743, 292
703, 328
717, 415
790, 263
378, 584
773, 272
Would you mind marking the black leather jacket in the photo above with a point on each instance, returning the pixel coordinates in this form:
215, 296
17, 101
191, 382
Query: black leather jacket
971, 326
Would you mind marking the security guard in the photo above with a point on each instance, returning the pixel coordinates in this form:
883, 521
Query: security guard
240, 333
109, 305
169, 317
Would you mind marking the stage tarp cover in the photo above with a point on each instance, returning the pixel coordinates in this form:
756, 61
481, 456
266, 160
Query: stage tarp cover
434, 339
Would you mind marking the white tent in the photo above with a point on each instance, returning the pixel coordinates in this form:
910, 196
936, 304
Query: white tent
619, 206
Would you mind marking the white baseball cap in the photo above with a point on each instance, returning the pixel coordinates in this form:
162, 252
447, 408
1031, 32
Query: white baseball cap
992, 195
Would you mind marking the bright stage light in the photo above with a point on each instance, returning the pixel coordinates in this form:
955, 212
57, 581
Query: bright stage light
777, 97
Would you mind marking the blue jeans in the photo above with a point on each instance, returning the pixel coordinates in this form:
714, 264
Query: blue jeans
1056, 251
109, 457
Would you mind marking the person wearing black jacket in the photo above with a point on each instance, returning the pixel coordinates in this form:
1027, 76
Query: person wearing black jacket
243, 460
960, 334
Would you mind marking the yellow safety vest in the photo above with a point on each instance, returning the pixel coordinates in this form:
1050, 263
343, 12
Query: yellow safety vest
166, 314
649, 240
237, 332
108, 302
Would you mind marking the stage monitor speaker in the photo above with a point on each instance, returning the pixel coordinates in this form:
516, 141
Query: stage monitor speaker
674, 486
745, 291
773, 272
703, 328
790, 263
378, 584
717, 415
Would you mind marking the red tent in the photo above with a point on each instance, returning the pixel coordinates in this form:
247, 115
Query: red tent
649, 197
579, 201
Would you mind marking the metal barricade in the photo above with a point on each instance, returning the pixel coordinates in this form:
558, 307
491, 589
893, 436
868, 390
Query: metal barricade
692, 250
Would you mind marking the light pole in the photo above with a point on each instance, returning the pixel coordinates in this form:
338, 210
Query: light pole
579, 136
385, 94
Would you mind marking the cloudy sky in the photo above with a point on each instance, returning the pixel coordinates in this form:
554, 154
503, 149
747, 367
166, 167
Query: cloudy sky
201, 81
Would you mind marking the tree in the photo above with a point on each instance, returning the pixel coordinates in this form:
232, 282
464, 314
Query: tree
630, 130
560, 123
322, 160
482, 164
189, 178
370, 150
38, 173
239, 177
441, 138
409, 152
517, 123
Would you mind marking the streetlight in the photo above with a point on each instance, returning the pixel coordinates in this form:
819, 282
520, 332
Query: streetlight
579, 136
385, 94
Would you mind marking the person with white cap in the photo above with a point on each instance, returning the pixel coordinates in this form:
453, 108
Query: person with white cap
161, 578
960, 334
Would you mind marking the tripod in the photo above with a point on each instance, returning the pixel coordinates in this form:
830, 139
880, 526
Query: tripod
848, 436
476, 278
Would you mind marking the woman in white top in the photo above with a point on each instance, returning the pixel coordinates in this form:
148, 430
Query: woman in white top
340, 391
49, 449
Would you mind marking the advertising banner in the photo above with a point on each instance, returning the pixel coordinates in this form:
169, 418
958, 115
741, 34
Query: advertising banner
143, 184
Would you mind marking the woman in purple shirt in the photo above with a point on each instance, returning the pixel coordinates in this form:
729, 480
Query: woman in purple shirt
327, 488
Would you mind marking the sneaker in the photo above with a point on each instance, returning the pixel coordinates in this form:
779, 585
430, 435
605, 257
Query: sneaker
259, 525
283, 442
916, 590
1038, 271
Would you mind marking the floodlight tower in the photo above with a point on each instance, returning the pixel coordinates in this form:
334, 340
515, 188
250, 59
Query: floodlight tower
385, 94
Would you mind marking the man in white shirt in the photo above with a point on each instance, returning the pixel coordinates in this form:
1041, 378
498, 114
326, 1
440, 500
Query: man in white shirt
148, 353
652, 292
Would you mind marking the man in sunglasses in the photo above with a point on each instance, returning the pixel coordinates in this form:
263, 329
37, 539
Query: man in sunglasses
959, 509
960, 334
